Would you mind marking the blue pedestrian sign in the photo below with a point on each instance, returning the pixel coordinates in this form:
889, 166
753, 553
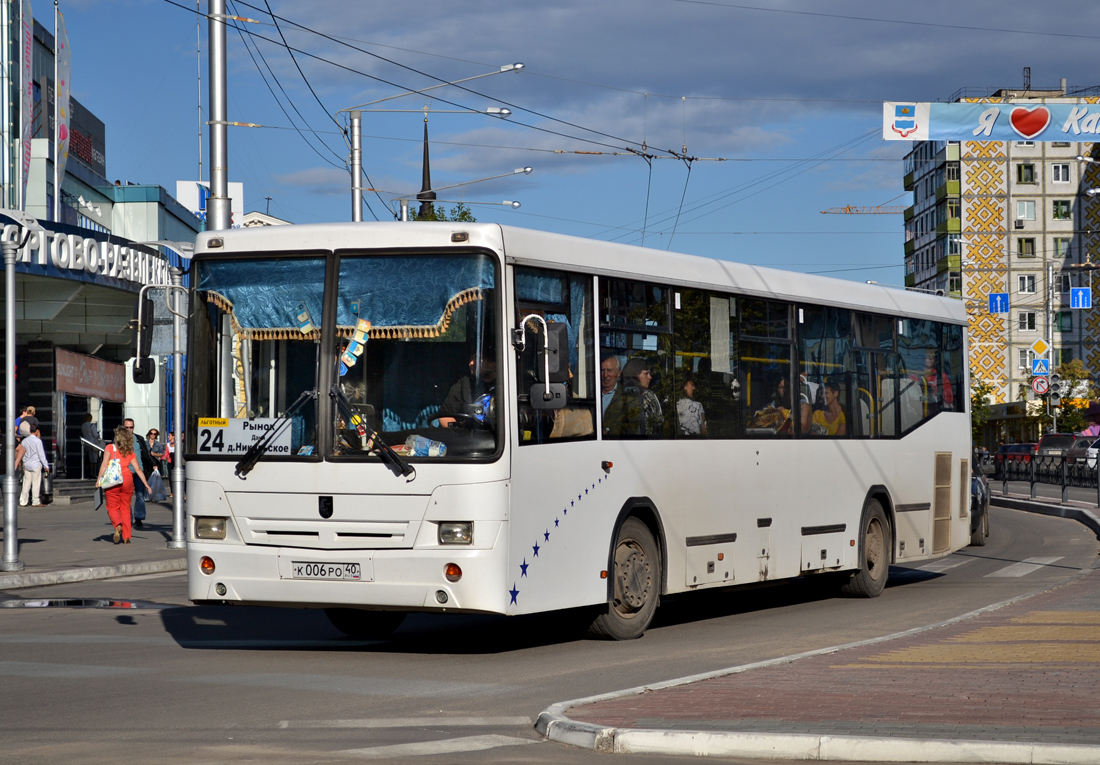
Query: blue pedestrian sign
1080, 297
998, 302
1040, 366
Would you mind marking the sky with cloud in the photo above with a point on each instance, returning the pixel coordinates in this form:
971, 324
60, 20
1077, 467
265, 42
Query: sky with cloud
777, 105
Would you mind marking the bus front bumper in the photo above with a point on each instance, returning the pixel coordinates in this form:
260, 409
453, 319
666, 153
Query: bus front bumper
406, 580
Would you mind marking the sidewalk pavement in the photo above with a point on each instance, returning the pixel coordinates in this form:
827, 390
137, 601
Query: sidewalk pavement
1015, 682
72, 543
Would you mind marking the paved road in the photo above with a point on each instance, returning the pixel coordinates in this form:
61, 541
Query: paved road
168, 682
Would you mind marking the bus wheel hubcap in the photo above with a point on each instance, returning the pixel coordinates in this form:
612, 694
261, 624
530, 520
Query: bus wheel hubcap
874, 550
633, 579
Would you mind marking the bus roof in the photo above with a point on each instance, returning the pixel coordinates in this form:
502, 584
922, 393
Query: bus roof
545, 249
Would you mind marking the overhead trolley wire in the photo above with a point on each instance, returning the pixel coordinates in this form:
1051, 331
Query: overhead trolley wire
317, 98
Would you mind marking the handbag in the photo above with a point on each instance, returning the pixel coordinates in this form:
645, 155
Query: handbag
158, 494
112, 476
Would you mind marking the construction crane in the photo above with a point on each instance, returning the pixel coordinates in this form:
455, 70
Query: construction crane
856, 210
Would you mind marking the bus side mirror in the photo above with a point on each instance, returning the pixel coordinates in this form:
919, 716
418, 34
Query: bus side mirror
557, 350
145, 371
550, 396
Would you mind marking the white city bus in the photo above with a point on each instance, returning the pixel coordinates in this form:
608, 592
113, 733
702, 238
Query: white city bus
463, 417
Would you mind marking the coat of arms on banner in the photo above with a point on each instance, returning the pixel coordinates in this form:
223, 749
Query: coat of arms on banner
905, 119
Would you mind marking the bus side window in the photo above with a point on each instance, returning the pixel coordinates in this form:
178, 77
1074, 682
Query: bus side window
705, 348
558, 297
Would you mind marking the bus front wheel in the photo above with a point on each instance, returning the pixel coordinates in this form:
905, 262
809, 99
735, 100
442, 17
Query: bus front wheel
874, 558
636, 580
365, 625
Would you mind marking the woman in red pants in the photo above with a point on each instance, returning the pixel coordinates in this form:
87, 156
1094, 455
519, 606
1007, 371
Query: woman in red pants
118, 497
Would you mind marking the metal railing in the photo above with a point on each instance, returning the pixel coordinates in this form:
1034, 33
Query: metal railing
83, 460
1051, 470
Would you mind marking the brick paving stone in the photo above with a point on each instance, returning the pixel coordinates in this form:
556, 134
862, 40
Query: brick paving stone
1025, 672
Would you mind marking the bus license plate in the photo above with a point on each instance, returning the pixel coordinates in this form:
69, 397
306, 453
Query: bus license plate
341, 571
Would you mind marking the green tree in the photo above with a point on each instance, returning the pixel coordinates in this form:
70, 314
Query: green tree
980, 390
460, 213
1076, 382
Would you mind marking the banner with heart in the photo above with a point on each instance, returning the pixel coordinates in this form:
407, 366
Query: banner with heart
1029, 122
1068, 120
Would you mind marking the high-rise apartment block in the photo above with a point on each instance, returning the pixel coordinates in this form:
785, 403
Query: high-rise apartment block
1015, 217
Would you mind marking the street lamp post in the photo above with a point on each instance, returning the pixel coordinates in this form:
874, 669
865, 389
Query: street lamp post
518, 171
404, 202
355, 141
10, 561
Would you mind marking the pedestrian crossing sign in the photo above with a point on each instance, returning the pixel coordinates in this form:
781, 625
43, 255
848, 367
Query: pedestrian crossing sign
1040, 366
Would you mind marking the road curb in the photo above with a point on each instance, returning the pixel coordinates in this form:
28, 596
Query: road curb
15, 581
1082, 515
799, 746
554, 724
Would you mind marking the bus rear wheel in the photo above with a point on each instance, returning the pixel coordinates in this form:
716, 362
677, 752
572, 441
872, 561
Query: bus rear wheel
874, 558
636, 579
365, 625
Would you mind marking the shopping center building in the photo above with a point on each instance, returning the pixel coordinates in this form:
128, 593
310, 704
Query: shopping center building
78, 279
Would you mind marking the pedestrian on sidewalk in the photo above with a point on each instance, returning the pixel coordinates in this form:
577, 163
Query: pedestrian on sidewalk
148, 465
89, 432
118, 497
26, 414
32, 457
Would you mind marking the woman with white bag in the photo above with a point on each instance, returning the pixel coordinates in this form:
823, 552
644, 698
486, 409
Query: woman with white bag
116, 479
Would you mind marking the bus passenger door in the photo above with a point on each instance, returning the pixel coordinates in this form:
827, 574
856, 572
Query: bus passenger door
557, 543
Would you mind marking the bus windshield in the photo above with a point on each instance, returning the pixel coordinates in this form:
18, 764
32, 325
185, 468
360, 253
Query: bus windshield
416, 353
413, 349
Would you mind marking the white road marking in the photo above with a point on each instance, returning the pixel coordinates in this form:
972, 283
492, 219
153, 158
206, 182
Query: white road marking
943, 564
1024, 567
411, 722
445, 746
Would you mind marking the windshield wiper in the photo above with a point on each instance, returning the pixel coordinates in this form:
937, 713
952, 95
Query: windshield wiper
372, 441
258, 449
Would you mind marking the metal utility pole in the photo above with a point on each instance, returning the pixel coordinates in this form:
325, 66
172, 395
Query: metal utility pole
218, 209
176, 300
356, 166
11, 560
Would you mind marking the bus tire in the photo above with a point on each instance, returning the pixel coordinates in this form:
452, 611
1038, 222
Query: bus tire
874, 555
365, 625
977, 539
636, 582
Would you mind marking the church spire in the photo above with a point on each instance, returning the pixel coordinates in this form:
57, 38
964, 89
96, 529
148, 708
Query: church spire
426, 195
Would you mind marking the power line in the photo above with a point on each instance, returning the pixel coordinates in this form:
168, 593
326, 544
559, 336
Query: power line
317, 98
446, 82
903, 22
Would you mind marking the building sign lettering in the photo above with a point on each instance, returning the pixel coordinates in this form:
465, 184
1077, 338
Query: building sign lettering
88, 376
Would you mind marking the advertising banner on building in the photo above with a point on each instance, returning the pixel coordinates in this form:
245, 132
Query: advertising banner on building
912, 121
64, 69
88, 376
26, 99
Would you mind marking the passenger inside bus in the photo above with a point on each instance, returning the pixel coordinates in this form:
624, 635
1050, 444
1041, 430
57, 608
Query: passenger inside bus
689, 412
637, 387
830, 420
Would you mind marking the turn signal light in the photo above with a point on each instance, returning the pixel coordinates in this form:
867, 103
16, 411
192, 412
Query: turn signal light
452, 572
206, 565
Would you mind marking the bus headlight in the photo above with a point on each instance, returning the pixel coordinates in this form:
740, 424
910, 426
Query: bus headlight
209, 528
456, 533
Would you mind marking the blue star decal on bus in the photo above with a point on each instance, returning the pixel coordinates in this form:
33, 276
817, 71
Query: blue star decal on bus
555, 522
536, 549
523, 567
515, 594
546, 536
